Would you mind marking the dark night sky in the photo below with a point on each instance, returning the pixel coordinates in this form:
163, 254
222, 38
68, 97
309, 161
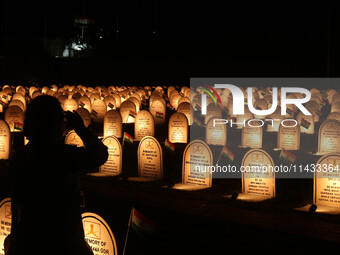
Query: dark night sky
172, 20
294, 35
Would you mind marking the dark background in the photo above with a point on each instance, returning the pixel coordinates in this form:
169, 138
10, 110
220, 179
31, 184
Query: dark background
167, 42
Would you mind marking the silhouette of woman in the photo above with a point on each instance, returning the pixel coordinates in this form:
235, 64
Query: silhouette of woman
44, 180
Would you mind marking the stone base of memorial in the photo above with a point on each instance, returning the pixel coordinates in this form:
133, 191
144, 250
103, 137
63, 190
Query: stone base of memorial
188, 187
142, 179
319, 209
248, 197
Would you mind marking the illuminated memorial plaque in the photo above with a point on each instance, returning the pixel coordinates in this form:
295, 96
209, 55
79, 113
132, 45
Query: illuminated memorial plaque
252, 134
215, 135
85, 102
95, 96
36, 94
61, 99
174, 100
187, 110
156, 98
19, 96
306, 123
70, 105
125, 109
113, 165
289, 136
258, 177
150, 160
113, 124
136, 102
85, 115
144, 125
327, 182
178, 128
197, 158
334, 116
158, 111
98, 234
5, 222
240, 119
260, 104
182, 100
5, 140
213, 110
329, 137
73, 139
14, 117
335, 98
314, 108
118, 100
335, 107
110, 102
98, 110
17, 102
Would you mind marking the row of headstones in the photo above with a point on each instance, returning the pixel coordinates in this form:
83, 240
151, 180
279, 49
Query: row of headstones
94, 108
288, 137
258, 169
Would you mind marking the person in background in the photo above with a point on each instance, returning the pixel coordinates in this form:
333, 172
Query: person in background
44, 175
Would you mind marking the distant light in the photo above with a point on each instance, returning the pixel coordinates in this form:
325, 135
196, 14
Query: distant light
117, 31
100, 37
154, 32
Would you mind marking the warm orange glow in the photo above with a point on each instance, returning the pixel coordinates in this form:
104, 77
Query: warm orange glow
113, 124
73, 139
327, 181
150, 158
329, 137
98, 234
197, 159
215, 135
5, 221
113, 165
257, 178
178, 128
144, 125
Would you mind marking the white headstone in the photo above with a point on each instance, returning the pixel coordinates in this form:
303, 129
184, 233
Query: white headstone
98, 110
125, 111
252, 134
158, 111
258, 177
215, 135
178, 128
5, 140
144, 125
73, 139
113, 124
5, 222
327, 181
98, 234
197, 160
113, 165
329, 137
14, 117
70, 105
289, 136
150, 158
85, 115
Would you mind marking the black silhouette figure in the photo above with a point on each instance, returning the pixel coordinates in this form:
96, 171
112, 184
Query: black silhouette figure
46, 217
